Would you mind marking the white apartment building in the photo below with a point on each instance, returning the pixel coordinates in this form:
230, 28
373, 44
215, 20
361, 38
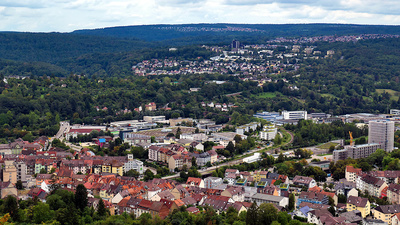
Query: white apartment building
382, 132
294, 115
269, 132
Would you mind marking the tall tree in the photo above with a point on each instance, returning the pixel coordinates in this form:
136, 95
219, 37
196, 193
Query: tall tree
292, 200
252, 215
11, 206
81, 197
101, 209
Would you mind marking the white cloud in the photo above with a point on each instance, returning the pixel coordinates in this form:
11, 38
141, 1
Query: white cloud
68, 15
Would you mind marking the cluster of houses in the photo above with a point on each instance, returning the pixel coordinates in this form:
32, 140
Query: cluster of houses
221, 106
23, 167
314, 204
177, 156
102, 177
240, 60
18, 145
160, 197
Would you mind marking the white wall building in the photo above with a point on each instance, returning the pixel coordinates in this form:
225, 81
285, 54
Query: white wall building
133, 164
254, 158
294, 115
269, 132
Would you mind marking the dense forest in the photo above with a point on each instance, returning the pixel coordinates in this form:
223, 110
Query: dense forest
216, 33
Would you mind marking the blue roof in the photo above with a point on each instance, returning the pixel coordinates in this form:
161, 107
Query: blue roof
305, 210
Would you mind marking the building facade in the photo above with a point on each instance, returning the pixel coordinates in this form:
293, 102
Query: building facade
294, 115
382, 132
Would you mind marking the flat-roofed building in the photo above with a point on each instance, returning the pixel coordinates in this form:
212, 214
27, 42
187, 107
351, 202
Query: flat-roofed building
382, 132
269, 132
356, 151
294, 115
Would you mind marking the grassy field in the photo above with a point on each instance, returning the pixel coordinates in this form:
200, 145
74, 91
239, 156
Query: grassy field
266, 95
368, 98
327, 145
394, 95
328, 95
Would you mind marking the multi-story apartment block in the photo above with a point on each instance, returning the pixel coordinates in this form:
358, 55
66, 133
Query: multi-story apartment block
355, 151
373, 185
351, 173
177, 161
133, 164
393, 193
382, 132
21, 170
153, 152
269, 132
212, 182
9, 172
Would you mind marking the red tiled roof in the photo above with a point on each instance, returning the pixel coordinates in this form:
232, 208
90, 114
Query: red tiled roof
351, 169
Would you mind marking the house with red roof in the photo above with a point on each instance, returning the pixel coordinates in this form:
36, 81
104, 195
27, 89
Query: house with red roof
194, 181
80, 131
352, 173
143, 207
193, 210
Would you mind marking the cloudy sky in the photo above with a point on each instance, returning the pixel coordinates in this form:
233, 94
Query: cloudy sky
69, 15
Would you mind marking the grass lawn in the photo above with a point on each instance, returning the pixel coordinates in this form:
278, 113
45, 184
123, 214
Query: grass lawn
368, 98
394, 95
328, 95
327, 145
266, 95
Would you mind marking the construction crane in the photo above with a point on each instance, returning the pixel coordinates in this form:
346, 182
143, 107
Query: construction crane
351, 137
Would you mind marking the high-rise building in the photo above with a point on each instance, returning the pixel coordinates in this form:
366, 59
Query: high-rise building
235, 45
382, 132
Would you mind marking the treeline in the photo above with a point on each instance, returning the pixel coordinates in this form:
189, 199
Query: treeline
38, 104
308, 133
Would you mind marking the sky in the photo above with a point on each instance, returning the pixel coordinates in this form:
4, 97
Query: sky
69, 15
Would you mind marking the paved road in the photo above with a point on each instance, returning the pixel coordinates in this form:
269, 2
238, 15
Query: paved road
64, 128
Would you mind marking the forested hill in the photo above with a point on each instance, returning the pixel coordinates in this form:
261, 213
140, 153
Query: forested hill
55, 47
219, 32
111, 51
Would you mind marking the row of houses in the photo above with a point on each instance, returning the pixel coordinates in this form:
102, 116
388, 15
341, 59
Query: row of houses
379, 184
177, 156
17, 146
23, 167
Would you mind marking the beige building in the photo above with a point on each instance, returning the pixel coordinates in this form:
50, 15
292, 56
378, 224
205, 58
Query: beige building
177, 161
393, 193
386, 212
7, 188
10, 172
174, 122
360, 204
